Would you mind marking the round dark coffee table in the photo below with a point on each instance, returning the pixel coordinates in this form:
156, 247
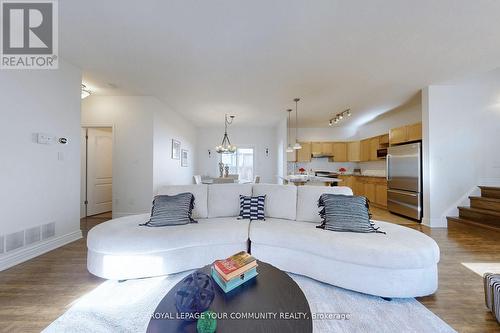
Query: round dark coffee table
272, 294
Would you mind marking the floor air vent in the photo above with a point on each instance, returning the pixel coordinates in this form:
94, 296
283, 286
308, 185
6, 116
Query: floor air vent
26, 237
32, 235
48, 230
14, 241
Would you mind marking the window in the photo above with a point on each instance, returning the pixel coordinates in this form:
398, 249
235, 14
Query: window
240, 163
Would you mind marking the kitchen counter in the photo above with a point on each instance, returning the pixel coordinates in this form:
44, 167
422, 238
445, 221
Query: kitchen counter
360, 175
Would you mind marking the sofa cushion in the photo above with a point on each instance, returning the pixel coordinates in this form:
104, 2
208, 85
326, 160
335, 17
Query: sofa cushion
200, 210
124, 235
400, 247
171, 210
281, 200
252, 208
224, 199
345, 213
307, 200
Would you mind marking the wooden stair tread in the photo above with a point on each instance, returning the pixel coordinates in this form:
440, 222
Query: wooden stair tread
494, 188
480, 211
472, 223
472, 197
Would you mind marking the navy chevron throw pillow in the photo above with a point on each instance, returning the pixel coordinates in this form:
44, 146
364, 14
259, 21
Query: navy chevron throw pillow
252, 207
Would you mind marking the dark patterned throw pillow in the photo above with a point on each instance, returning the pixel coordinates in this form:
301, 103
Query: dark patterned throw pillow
345, 213
171, 210
252, 207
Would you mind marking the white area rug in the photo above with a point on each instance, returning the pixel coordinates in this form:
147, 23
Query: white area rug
483, 267
127, 307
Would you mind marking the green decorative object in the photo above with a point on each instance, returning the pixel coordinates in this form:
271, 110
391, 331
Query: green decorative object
207, 322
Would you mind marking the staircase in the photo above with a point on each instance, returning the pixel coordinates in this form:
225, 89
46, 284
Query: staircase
484, 211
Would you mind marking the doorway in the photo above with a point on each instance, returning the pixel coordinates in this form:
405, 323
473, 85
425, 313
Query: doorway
97, 172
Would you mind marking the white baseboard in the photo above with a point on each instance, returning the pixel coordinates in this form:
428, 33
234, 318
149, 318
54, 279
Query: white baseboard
435, 222
122, 214
8, 260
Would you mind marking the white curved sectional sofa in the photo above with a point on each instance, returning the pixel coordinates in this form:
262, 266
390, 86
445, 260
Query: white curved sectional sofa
400, 263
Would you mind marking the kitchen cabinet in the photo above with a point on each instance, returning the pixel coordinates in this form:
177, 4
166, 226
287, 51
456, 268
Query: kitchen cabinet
354, 151
327, 148
347, 180
381, 194
374, 145
397, 135
304, 154
339, 151
316, 148
384, 140
406, 133
365, 150
414, 132
369, 191
373, 188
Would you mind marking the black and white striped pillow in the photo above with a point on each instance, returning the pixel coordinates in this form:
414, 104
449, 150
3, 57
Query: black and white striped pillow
171, 210
252, 207
345, 213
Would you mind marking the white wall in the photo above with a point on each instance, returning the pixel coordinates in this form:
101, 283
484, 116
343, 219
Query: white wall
143, 127
169, 125
259, 138
462, 130
36, 186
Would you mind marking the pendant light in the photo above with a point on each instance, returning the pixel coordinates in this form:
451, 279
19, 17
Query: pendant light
297, 145
226, 147
289, 149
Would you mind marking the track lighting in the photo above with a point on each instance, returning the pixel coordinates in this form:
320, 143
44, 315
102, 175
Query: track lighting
339, 116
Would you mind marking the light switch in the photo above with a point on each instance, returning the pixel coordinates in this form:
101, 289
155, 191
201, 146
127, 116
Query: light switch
44, 139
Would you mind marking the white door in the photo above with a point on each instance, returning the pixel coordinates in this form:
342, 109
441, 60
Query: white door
99, 170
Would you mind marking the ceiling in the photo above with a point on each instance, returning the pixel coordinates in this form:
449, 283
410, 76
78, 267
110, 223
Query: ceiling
251, 58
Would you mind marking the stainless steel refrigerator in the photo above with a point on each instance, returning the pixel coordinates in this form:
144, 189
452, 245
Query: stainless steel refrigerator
404, 180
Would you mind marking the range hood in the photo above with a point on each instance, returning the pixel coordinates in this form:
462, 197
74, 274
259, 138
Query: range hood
318, 155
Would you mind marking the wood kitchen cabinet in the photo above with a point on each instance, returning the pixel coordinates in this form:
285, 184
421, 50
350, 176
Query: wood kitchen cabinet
365, 150
316, 148
339, 151
327, 148
304, 154
414, 132
374, 145
373, 188
354, 151
406, 133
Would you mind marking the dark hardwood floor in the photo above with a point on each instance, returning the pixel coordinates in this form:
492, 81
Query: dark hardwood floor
36, 292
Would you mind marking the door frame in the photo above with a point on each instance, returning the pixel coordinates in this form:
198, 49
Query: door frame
97, 125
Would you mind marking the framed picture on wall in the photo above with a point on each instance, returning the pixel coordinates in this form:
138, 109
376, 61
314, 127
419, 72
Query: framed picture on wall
176, 150
184, 158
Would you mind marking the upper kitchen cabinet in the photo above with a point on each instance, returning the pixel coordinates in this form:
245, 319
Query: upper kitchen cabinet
374, 146
327, 149
291, 157
304, 154
365, 150
414, 132
339, 151
354, 151
316, 148
405, 134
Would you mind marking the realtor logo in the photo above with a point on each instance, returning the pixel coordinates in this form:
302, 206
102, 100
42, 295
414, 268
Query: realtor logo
29, 34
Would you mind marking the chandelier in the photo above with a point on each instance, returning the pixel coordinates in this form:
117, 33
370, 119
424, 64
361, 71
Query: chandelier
226, 147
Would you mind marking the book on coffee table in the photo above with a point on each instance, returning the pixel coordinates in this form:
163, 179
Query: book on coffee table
235, 265
227, 286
